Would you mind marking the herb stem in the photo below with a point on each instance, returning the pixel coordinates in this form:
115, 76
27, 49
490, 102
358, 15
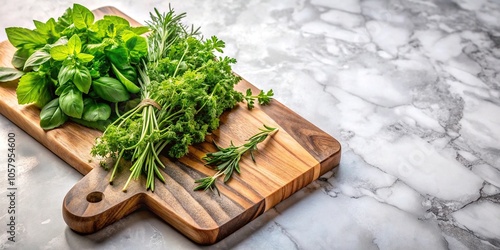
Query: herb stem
226, 160
182, 58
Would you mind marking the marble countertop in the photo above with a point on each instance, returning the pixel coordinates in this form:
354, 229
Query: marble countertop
411, 89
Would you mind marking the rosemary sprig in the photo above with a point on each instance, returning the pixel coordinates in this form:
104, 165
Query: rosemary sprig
226, 160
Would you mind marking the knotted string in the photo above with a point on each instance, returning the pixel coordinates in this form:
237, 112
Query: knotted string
148, 101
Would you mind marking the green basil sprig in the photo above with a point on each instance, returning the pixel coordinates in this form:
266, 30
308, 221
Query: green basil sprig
76, 67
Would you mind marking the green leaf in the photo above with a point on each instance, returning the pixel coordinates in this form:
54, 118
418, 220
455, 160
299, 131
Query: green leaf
82, 79
101, 28
61, 88
129, 85
9, 74
66, 73
25, 38
71, 102
61, 41
249, 99
82, 17
111, 31
117, 20
130, 73
127, 35
38, 58
99, 125
96, 111
265, 98
51, 26
65, 20
110, 89
137, 47
119, 23
140, 30
41, 27
215, 43
118, 55
48, 28
96, 48
59, 52
85, 58
34, 88
74, 45
52, 116
20, 57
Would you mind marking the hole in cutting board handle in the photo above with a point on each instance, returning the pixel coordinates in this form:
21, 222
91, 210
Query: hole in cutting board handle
95, 197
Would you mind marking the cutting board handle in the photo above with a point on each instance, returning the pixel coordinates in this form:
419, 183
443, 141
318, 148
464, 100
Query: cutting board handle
93, 203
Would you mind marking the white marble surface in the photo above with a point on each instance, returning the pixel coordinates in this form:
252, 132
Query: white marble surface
411, 88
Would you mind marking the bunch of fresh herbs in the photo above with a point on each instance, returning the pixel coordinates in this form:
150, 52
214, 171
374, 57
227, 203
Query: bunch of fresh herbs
185, 89
172, 85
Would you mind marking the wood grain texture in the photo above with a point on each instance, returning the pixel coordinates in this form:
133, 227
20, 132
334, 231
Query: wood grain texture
291, 159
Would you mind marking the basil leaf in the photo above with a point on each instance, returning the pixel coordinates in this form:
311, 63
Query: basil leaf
66, 73
127, 35
85, 58
96, 111
9, 74
19, 58
119, 24
99, 125
137, 47
38, 58
130, 73
41, 27
48, 28
61, 88
82, 79
82, 17
61, 41
25, 38
96, 48
129, 85
110, 89
118, 55
140, 30
101, 28
65, 20
59, 52
111, 31
52, 116
118, 21
74, 45
71, 102
34, 88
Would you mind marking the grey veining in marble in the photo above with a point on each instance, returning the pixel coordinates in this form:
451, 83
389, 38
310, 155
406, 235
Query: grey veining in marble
411, 88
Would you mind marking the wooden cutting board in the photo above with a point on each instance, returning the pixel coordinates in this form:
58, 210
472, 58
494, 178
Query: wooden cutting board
288, 161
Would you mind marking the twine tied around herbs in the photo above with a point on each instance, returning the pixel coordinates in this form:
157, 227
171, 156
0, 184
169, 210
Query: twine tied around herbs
148, 101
